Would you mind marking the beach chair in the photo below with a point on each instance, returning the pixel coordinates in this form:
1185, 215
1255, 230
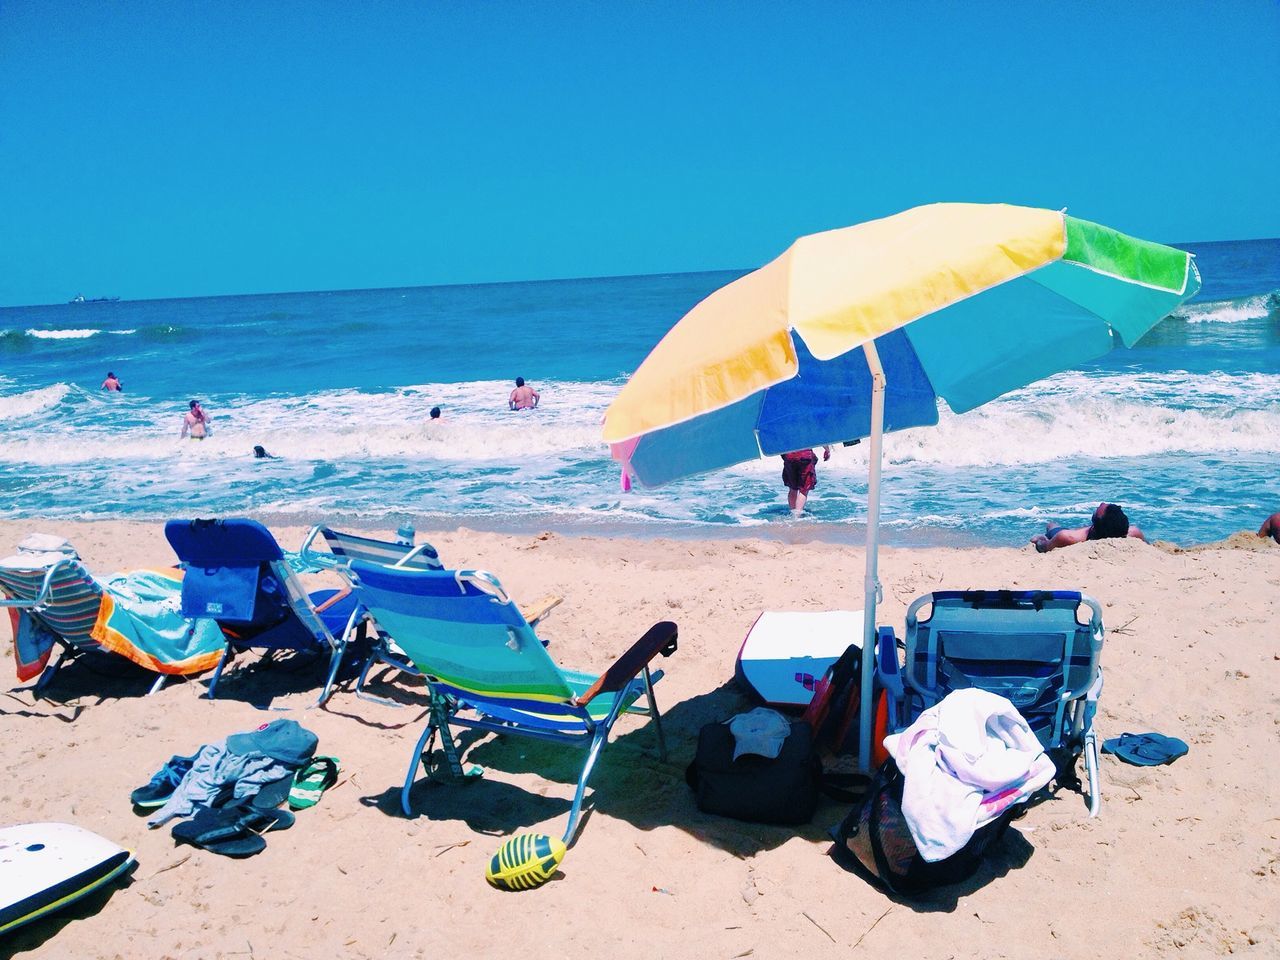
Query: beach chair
487, 670
237, 576
46, 585
346, 547
1030, 646
59, 595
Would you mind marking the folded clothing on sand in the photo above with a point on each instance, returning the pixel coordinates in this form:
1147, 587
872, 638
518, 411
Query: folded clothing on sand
242, 763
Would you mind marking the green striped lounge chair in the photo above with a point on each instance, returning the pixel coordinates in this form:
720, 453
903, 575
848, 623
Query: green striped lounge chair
487, 670
346, 547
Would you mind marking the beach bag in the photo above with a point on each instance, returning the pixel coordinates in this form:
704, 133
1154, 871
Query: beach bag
783, 790
834, 710
874, 839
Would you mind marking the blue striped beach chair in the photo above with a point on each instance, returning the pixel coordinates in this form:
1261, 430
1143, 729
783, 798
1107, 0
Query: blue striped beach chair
60, 596
1040, 649
487, 670
237, 576
346, 547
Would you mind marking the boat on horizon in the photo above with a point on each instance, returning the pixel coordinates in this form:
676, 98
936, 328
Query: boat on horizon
80, 298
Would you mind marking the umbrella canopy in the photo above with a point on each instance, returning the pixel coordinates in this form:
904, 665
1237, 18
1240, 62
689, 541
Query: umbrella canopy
957, 301
963, 302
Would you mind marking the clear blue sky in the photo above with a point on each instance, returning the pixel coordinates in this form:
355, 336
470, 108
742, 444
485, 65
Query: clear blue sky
181, 149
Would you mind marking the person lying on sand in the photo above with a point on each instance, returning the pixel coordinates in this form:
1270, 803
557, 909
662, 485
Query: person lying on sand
1109, 521
1271, 527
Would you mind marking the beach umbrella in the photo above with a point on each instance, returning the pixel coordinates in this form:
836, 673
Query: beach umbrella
860, 330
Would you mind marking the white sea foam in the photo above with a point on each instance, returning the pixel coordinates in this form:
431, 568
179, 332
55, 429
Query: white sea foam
63, 334
31, 402
1256, 307
1069, 416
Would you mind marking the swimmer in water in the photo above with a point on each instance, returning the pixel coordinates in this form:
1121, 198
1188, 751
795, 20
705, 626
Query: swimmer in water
112, 383
435, 413
260, 453
195, 423
523, 397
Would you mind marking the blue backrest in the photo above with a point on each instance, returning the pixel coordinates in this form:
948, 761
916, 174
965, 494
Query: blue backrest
1029, 646
461, 629
228, 570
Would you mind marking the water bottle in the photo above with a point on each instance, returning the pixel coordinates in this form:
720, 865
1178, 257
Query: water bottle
404, 534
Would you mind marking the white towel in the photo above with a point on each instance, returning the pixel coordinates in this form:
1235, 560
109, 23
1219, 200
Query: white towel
964, 762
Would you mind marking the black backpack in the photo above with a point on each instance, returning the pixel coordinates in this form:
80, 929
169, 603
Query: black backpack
874, 839
753, 788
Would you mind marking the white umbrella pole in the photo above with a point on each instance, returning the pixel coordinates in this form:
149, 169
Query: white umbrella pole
871, 583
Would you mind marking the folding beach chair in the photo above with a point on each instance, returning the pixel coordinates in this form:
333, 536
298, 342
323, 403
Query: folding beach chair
346, 547
237, 575
1029, 646
487, 670
49, 587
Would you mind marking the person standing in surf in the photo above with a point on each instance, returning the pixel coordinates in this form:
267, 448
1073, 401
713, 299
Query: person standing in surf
112, 383
523, 397
800, 474
195, 423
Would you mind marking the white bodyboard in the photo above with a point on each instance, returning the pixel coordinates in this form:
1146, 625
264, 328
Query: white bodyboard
45, 866
786, 653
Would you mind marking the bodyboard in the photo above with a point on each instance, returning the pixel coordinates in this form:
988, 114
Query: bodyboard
46, 866
786, 653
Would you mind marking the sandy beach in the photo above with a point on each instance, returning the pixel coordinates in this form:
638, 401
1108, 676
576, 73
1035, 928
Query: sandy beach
1183, 859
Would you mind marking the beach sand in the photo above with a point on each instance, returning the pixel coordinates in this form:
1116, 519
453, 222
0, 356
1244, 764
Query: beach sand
1183, 859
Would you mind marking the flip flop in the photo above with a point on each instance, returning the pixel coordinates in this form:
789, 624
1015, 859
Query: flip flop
233, 831
1146, 749
273, 794
312, 779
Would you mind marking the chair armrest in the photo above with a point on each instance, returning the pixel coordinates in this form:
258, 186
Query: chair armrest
660, 639
888, 672
340, 595
539, 609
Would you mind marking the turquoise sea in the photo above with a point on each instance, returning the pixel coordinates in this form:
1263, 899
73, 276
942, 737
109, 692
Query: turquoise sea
1183, 429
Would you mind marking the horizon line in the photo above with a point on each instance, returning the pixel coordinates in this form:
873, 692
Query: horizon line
494, 283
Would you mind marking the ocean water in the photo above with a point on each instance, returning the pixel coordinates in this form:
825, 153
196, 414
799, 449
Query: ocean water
1182, 430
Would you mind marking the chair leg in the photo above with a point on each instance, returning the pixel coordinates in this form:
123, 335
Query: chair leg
378, 655
155, 687
217, 671
413, 765
47, 675
593, 754
1091, 767
657, 716
335, 661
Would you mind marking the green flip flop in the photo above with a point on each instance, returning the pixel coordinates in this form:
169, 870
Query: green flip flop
312, 779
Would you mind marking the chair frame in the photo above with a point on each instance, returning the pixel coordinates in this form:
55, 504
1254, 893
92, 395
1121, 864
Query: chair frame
285, 570
308, 615
67, 651
620, 680
1076, 707
380, 646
